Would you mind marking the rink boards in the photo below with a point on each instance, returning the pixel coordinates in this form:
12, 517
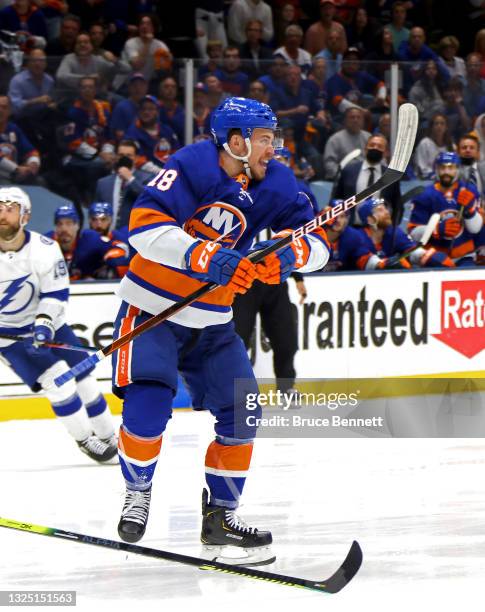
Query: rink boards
389, 324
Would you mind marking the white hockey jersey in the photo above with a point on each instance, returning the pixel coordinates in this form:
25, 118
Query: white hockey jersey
33, 280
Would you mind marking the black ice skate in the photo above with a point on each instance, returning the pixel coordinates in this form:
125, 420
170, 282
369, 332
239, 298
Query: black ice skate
97, 449
224, 534
112, 443
134, 515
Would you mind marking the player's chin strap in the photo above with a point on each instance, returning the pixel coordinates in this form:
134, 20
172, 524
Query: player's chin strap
243, 158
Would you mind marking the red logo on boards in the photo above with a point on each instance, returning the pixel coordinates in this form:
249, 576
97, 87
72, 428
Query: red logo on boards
463, 316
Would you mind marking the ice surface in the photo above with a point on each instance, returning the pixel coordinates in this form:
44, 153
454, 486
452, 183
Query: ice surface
416, 507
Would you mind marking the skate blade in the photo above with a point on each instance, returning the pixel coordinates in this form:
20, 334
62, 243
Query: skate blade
232, 555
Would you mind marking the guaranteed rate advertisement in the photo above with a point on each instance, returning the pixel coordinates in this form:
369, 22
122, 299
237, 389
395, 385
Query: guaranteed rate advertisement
351, 326
387, 324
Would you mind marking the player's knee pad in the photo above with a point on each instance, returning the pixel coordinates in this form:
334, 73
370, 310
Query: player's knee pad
55, 394
240, 421
147, 407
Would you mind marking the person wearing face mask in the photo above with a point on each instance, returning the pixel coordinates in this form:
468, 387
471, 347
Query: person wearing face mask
358, 174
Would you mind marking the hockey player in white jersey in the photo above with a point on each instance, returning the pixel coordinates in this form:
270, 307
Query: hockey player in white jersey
34, 289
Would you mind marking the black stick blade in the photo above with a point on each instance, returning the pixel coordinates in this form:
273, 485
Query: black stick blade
345, 572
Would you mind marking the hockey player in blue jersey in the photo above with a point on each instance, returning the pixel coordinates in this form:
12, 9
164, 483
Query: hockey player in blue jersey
348, 250
100, 215
34, 288
388, 244
87, 253
457, 203
195, 222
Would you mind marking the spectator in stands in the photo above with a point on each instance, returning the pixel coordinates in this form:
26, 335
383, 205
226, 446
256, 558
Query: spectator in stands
472, 170
82, 63
438, 139
416, 53
24, 16
31, 90
285, 16
292, 51
474, 86
458, 120
275, 80
317, 34
53, 11
91, 153
448, 49
361, 32
233, 81
88, 255
125, 183
19, 161
214, 52
202, 112
144, 52
156, 141
255, 55
316, 82
384, 126
397, 27
352, 86
392, 247
97, 34
479, 131
215, 94
65, 42
125, 112
332, 54
258, 91
209, 21
242, 11
358, 174
171, 111
351, 137
480, 48
296, 103
380, 59
426, 93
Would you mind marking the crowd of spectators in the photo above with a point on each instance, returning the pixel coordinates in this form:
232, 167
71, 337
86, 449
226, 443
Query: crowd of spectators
91, 91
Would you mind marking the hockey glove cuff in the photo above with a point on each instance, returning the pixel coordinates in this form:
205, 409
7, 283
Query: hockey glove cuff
210, 261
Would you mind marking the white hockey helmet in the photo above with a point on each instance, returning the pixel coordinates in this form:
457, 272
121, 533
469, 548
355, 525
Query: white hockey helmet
17, 196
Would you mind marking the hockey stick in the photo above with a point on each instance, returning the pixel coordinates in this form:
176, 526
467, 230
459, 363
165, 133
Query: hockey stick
333, 584
428, 231
398, 211
408, 124
59, 345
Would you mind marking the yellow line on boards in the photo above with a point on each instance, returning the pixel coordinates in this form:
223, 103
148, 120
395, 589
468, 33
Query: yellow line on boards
20, 408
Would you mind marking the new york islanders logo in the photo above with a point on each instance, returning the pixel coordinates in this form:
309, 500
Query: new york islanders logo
212, 221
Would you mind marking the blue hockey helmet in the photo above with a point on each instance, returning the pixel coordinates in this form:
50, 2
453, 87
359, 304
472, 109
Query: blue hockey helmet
243, 114
447, 157
366, 209
66, 211
99, 209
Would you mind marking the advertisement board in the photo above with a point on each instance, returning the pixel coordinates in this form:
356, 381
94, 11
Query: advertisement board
351, 325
